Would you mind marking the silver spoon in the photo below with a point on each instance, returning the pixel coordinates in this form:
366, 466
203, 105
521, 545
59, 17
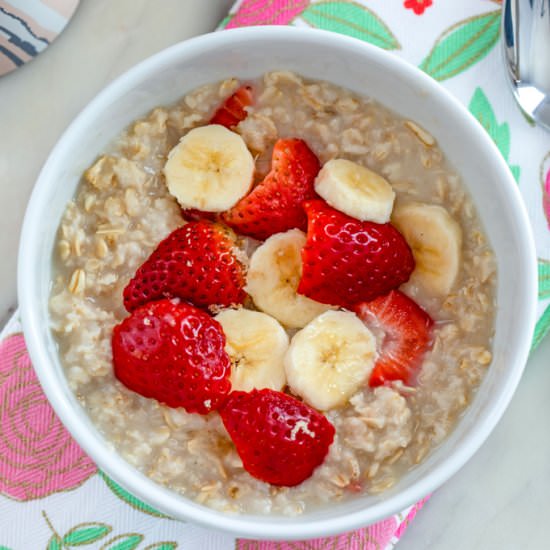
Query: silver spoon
526, 43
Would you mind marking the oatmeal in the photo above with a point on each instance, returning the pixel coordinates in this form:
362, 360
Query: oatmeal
382, 429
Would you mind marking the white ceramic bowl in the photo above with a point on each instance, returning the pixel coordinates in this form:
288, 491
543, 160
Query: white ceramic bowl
364, 69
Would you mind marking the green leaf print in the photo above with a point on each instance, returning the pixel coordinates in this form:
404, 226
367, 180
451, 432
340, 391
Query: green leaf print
55, 543
516, 171
462, 45
131, 499
544, 279
86, 533
224, 21
346, 17
482, 110
541, 329
90, 532
128, 541
500, 133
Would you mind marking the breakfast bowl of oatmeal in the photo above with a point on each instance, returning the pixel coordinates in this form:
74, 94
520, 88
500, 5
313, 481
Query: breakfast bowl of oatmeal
277, 282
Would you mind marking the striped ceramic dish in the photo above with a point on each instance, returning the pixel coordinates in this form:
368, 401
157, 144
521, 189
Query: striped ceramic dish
27, 27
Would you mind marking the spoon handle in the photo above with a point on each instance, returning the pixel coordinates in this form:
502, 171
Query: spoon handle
526, 48
526, 40
539, 66
510, 35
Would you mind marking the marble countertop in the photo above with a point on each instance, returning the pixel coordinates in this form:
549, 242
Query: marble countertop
500, 499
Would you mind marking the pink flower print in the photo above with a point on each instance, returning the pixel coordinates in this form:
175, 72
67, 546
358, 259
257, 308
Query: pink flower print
38, 457
546, 197
375, 537
270, 12
410, 516
379, 534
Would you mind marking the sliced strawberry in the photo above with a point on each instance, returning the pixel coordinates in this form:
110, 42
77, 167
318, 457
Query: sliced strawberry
406, 329
195, 215
197, 263
174, 353
279, 439
233, 109
346, 261
275, 204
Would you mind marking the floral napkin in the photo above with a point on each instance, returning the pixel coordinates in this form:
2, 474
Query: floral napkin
53, 497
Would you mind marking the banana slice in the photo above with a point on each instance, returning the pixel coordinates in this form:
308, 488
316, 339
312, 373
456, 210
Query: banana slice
209, 169
256, 344
436, 241
273, 276
329, 359
355, 191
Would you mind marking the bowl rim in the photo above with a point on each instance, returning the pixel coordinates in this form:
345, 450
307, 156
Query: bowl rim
179, 506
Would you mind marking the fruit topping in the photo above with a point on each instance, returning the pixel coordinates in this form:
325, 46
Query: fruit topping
275, 204
273, 276
196, 263
436, 242
256, 344
279, 439
406, 336
194, 215
355, 191
233, 109
174, 353
210, 169
330, 359
346, 261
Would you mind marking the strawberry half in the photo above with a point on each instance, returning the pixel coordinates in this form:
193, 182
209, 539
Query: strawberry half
275, 204
233, 109
195, 215
279, 439
346, 261
407, 332
174, 353
196, 263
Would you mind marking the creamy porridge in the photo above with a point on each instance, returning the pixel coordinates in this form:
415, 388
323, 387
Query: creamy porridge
122, 210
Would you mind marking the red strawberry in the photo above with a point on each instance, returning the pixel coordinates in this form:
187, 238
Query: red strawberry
233, 109
196, 263
174, 353
193, 214
275, 204
346, 261
279, 439
407, 336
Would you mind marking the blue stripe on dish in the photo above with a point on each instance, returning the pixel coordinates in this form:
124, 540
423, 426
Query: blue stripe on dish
24, 23
11, 56
21, 44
